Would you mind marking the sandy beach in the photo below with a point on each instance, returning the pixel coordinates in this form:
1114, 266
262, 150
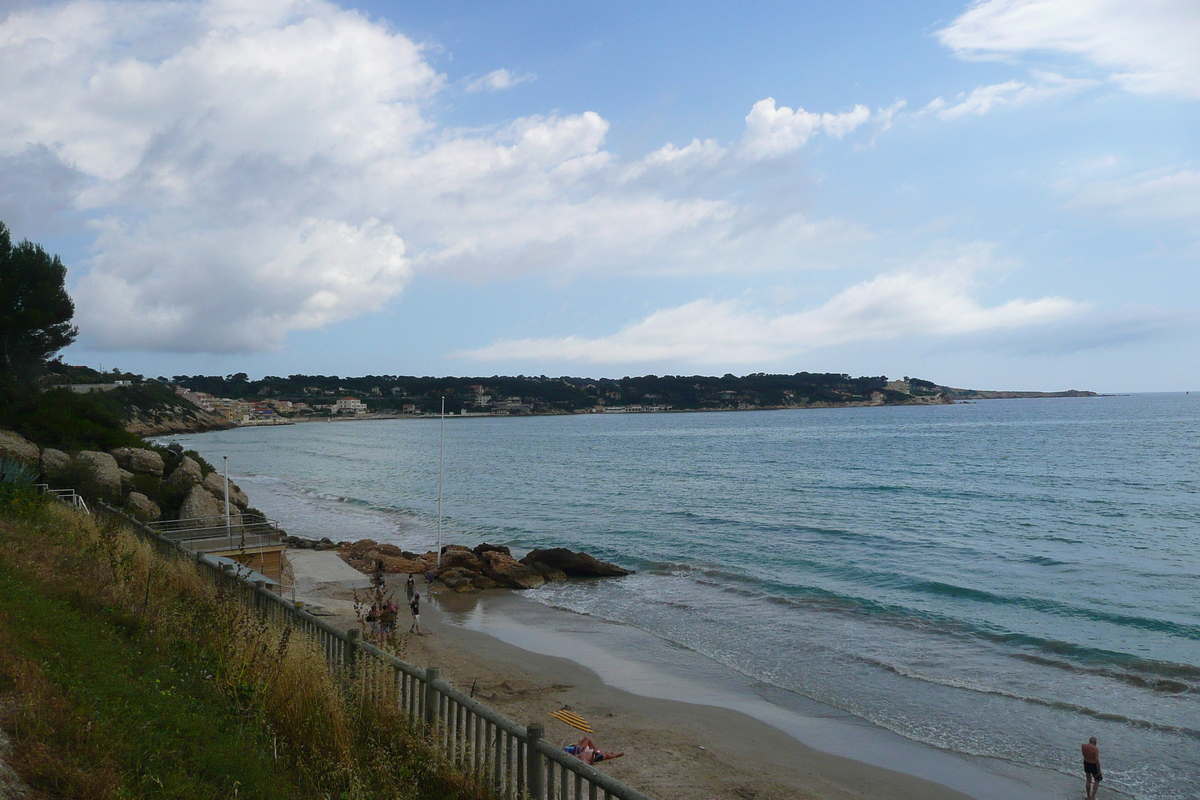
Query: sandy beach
680, 735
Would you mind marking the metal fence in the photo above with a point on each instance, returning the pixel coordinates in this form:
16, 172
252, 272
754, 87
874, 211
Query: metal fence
513, 760
68, 496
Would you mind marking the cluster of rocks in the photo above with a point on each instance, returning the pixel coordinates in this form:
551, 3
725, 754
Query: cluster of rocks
204, 495
111, 477
487, 566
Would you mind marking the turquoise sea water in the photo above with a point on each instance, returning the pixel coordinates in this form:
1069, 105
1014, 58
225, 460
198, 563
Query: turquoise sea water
1003, 578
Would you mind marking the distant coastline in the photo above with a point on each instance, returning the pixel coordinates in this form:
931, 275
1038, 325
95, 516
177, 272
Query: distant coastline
203, 403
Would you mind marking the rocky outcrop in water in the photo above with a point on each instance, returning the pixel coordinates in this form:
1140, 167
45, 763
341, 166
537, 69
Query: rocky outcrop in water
487, 566
574, 565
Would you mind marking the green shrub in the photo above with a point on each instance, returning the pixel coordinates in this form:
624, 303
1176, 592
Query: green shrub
65, 420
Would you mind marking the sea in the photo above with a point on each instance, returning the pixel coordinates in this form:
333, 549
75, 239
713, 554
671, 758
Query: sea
1000, 579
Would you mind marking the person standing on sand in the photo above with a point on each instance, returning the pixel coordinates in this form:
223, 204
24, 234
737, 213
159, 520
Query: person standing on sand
410, 586
415, 607
1091, 768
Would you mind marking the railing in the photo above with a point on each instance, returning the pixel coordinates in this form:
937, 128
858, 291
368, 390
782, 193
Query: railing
68, 496
513, 760
205, 534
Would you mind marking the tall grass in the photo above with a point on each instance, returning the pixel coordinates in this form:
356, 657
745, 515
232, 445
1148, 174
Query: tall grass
341, 739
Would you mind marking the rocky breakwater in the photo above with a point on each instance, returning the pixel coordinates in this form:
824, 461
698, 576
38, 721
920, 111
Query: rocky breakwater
132, 478
486, 566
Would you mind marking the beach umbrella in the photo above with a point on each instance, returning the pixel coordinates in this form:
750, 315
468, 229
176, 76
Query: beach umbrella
572, 719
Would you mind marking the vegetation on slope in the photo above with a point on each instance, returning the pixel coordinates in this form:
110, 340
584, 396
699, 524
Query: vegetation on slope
136, 678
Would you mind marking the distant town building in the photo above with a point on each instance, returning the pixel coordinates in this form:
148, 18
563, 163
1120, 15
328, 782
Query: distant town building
350, 405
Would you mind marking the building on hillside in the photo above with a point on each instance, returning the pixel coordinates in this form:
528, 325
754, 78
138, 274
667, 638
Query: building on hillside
350, 405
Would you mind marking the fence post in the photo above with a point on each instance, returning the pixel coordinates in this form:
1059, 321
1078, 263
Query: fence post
259, 600
351, 658
535, 776
431, 696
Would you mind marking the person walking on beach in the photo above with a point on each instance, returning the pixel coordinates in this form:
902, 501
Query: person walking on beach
410, 586
415, 607
1091, 768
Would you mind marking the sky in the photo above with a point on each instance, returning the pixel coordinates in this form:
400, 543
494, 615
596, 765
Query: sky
1001, 194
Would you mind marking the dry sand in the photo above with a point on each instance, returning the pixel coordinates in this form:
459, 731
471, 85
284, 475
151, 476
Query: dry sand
673, 750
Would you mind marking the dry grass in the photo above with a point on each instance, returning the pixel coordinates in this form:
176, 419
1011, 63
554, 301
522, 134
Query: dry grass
341, 739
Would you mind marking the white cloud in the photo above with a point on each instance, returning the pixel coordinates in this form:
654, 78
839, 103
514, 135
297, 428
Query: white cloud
256, 168
1161, 195
497, 80
1147, 47
983, 99
772, 132
915, 302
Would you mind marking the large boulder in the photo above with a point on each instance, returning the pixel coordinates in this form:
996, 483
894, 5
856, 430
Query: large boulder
480, 549
99, 475
552, 574
216, 486
461, 558
507, 571
185, 476
200, 504
126, 480
139, 461
576, 565
15, 446
56, 465
138, 506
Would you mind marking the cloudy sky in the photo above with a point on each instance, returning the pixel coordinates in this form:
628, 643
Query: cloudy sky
998, 194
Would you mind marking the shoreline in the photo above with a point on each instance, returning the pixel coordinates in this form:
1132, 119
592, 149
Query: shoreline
690, 727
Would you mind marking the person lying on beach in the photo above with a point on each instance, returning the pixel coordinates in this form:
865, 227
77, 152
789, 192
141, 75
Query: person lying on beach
587, 752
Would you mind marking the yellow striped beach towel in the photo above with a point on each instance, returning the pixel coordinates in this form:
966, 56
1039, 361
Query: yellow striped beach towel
572, 719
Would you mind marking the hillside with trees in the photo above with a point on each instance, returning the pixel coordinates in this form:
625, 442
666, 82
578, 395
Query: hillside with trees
546, 395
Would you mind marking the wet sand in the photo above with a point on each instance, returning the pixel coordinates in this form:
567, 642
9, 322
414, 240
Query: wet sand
689, 728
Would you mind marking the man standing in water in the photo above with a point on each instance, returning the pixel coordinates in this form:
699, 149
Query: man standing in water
1091, 768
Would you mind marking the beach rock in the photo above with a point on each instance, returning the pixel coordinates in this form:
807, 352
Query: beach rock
484, 582
325, 546
56, 465
479, 550
139, 461
576, 565
507, 571
200, 504
464, 587
552, 574
100, 476
461, 558
15, 446
389, 550
215, 484
185, 476
359, 549
138, 506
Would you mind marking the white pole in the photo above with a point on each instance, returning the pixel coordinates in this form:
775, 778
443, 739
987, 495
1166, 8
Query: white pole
228, 531
441, 464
